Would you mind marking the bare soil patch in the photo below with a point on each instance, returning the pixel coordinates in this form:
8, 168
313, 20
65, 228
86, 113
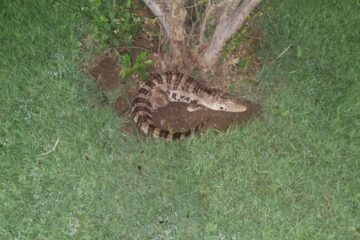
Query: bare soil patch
174, 116
105, 71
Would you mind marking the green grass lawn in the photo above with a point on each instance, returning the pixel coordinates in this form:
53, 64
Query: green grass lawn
292, 174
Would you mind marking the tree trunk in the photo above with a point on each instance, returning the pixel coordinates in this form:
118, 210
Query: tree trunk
225, 29
172, 14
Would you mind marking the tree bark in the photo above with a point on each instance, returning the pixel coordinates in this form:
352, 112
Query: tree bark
227, 26
171, 15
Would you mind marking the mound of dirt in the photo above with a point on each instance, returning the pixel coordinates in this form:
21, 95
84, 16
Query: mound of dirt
174, 116
105, 70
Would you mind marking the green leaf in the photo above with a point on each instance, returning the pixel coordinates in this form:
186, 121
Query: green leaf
148, 62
